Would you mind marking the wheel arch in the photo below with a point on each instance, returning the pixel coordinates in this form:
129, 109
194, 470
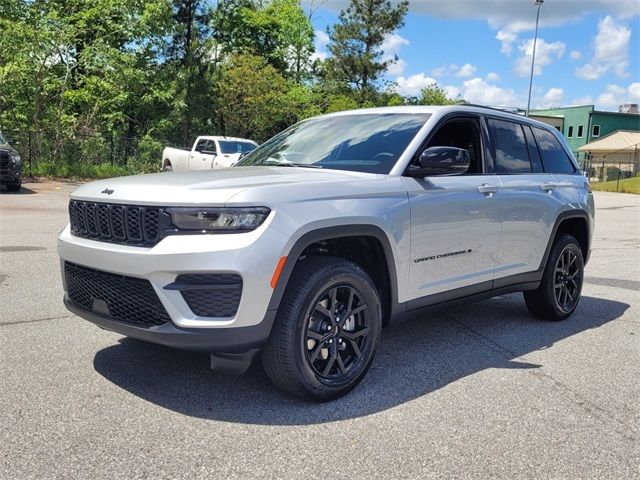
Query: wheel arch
575, 223
390, 303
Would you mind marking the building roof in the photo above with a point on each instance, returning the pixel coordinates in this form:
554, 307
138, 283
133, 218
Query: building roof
620, 141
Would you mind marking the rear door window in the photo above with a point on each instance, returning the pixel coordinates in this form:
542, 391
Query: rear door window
554, 158
509, 147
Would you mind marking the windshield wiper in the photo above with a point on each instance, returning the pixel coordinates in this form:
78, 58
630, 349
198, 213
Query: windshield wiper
294, 164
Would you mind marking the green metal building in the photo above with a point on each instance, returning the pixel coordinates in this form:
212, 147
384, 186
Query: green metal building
583, 124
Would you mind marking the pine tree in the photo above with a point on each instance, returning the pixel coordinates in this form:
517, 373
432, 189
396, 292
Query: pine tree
356, 55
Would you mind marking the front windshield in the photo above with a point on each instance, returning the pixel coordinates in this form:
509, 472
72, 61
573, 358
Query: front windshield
232, 146
370, 142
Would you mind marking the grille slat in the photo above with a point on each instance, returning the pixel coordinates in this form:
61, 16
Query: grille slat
123, 224
117, 297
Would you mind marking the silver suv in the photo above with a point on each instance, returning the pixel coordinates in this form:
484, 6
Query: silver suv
320, 236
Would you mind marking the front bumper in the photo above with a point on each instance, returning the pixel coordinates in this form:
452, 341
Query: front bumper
220, 340
252, 255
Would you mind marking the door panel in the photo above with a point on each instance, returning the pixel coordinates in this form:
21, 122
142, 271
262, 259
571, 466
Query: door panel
531, 205
202, 161
455, 232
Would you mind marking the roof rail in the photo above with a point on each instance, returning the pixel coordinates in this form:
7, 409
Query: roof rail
515, 110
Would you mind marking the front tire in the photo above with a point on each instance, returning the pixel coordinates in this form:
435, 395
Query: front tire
559, 292
326, 332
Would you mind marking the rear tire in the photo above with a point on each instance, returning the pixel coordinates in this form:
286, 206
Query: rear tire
326, 332
559, 292
167, 168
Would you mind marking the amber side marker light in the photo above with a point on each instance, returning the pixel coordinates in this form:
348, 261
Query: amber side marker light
278, 271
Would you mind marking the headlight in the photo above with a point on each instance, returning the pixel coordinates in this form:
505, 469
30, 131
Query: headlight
223, 219
15, 159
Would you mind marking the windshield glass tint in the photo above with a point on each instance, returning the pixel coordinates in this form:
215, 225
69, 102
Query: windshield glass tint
230, 146
362, 143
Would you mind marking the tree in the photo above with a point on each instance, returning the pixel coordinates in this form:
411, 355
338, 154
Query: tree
434, 95
252, 98
276, 30
355, 44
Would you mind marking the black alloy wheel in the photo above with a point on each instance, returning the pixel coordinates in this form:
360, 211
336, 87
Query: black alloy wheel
336, 332
567, 280
326, 331
559, 291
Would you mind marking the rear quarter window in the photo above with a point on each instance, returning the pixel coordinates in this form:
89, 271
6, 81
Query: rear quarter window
554, 158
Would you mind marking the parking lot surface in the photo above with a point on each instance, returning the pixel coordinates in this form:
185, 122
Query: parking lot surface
474, 392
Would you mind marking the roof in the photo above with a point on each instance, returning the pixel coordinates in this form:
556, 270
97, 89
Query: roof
620, 141
441, 110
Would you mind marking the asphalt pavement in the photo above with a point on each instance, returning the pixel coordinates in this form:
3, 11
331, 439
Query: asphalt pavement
475, 392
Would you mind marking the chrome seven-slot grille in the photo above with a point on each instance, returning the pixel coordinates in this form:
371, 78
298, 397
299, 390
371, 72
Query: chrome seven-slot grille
124, 224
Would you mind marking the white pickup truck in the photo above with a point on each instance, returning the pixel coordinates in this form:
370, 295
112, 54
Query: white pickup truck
207, 152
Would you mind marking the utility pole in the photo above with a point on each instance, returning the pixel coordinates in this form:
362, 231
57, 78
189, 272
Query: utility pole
538, 4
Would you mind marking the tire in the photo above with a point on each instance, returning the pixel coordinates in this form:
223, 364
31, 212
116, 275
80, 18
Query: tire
559, 292
14, 187
168, 168
306, 328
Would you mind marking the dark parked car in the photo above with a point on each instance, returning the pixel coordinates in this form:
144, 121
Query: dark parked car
10, 166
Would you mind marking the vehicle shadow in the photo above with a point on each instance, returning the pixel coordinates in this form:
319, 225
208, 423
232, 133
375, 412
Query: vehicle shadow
23, 191
418, 355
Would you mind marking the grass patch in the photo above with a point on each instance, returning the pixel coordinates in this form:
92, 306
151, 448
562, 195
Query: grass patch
627, 185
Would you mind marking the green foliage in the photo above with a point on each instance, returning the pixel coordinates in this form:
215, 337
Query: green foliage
97, 88
434, 95
255, 109
356, 55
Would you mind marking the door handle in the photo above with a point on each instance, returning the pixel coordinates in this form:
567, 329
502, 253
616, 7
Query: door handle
548, 187
488, 189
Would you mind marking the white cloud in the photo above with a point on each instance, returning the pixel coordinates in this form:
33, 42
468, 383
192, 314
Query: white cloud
513, 15
575, 55
477, 90
615, 95
397, 68
412, 84
611, 51
452, 91
439, 71
586, 100
493, 77
445, 70
467, 70
506, 38
553, 98
546, 53
321, 40
391, 47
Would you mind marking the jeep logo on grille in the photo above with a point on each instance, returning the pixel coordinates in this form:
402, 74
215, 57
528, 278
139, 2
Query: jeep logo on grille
107, 191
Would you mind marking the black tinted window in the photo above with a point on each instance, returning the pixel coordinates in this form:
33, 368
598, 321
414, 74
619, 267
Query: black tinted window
554, 157
534, 153
231, 146
509, 147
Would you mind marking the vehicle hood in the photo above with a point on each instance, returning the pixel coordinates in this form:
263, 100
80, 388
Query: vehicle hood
212, 188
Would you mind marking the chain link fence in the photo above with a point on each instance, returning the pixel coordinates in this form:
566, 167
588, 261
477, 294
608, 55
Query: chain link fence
50, 153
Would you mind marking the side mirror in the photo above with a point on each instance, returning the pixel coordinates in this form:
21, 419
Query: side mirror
442, 161
14, 143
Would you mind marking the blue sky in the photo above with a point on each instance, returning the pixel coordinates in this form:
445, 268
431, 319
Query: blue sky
588, 51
